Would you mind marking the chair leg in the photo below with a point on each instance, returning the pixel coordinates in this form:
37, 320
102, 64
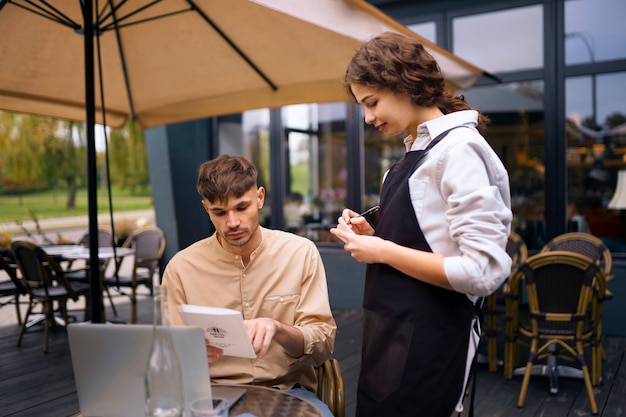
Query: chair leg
18, 313
25, 323
133, 306
532, 356
49, 321
111, 301
525, 382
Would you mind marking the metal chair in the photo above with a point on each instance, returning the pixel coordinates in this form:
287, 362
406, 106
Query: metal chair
517, 250
149, 245
330, 387
12, 288
46, 285
564, 291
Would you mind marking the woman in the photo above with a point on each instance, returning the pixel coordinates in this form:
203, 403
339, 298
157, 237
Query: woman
439, 244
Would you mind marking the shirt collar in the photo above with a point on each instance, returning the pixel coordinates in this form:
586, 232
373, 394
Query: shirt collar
430, 129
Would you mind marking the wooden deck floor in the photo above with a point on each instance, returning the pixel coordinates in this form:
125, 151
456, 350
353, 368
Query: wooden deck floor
36, 384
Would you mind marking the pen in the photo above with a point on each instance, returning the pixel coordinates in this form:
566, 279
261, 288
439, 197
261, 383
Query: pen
367, 212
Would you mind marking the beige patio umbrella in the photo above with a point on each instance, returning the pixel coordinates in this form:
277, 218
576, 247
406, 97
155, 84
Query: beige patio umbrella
178, 60
169, 61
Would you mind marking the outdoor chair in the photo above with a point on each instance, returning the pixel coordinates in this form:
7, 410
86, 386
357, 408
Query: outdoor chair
12, 288
588, 245
106, 238
46, 285
149, 245
564, 291
595, 249
330, 388
517, 250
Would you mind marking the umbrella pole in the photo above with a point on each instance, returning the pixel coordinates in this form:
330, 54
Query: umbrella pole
97, 311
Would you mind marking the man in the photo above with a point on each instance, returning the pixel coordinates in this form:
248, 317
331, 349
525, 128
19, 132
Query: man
276, 279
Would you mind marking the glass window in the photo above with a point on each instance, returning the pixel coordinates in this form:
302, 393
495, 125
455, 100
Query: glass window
316, 159
252, 142
596, 154
594, 30
515, 132
506, 40
426, 30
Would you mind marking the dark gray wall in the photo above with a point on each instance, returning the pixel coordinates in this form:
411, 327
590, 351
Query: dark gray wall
174, 154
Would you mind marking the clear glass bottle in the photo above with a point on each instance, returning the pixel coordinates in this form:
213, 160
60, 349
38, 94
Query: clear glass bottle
163, 378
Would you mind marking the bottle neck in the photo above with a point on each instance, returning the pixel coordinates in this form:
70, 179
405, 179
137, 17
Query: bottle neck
160, 313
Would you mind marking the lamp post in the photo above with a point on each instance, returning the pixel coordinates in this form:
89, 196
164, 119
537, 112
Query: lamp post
589, 44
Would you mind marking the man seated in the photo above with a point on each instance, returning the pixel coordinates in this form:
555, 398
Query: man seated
276, 279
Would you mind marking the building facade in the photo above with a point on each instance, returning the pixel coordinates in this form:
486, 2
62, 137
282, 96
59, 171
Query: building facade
558, 121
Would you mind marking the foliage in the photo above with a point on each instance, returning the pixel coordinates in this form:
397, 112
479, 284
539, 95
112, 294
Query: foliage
128, 161
38, 153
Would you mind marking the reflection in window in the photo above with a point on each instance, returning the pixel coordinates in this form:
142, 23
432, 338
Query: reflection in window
596, 153
594, 30
515, 132
316, 182
255, 146
501, 41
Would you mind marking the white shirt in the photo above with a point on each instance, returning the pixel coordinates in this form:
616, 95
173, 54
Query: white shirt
461, 198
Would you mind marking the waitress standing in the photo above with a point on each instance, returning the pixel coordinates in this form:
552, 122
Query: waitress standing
440, 241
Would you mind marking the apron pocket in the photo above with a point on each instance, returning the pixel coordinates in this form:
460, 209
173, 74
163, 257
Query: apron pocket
386, 343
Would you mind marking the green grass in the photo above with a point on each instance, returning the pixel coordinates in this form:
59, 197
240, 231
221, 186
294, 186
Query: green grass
51, 204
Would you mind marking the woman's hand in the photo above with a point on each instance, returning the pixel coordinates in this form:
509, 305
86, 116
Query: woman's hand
356, 222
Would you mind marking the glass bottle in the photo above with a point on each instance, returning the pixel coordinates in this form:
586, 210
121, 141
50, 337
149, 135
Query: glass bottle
163, 378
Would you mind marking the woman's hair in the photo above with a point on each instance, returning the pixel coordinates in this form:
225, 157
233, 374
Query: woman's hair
402, 65
226, 176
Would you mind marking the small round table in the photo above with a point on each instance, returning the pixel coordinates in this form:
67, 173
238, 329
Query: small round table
269, 402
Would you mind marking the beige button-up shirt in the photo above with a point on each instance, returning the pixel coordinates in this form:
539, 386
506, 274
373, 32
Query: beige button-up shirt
284, 280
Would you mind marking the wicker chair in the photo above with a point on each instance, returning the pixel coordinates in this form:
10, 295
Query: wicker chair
106, 238
595, 249
46, 285
149, 245
12, 288
564, 303
330, 388
517, 250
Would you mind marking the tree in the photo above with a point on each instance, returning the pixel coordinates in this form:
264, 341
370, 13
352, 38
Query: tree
128, 160
39, 153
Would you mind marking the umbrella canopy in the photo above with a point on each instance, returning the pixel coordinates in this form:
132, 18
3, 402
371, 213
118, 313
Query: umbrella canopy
166, 61
176, 60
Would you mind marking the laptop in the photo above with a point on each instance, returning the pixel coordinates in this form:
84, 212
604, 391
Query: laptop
109, 362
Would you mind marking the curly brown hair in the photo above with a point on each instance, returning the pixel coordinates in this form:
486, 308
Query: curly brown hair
226, 176
402, 65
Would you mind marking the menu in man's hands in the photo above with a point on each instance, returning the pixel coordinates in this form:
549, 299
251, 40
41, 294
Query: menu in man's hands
223, 327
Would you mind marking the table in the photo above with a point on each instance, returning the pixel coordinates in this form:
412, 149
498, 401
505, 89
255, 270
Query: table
74, 252
270, 402
78, 252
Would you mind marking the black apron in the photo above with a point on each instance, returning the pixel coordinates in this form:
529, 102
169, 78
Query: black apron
415, 335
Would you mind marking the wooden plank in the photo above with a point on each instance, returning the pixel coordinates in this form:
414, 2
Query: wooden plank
36, 384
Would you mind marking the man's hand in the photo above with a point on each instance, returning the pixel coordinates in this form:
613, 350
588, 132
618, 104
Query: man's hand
263, 330
213, 353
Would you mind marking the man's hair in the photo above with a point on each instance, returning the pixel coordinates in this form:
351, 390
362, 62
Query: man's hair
226, 176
